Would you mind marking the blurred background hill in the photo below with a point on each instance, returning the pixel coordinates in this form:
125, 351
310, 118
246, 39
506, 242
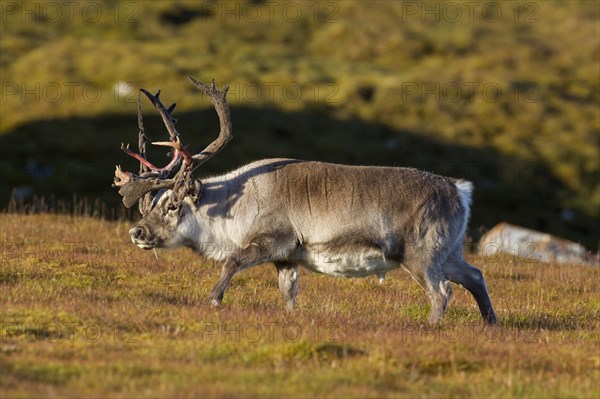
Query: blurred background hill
505, 94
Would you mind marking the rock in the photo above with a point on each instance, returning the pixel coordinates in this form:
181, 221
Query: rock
533, 246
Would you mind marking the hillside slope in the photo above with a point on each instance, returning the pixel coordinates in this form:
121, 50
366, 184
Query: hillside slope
503, 95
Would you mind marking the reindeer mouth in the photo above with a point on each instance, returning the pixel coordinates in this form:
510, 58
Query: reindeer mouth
144, 245
139, 238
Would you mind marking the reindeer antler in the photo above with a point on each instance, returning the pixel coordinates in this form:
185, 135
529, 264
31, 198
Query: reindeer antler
134, 187
218, 98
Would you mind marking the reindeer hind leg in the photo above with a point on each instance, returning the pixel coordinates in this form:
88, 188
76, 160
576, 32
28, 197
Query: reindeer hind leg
288, 282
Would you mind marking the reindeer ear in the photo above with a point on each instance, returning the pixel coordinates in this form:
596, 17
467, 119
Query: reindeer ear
195, 190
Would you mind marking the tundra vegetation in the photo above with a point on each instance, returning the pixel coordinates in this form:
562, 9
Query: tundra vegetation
86, 313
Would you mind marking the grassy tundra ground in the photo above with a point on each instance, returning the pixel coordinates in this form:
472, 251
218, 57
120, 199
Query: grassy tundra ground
84, 312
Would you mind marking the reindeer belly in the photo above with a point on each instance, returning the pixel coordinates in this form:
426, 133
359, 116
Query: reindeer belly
359, 263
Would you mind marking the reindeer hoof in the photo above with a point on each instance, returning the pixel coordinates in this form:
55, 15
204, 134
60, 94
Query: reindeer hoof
290, 307
215, 303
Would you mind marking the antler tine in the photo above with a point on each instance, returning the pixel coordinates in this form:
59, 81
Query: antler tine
143, 161
178, 148
219, 101
142, 137
164, 112
121, 177
144, 202
169, 122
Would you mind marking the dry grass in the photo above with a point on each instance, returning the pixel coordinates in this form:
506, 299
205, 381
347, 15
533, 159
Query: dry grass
85, 313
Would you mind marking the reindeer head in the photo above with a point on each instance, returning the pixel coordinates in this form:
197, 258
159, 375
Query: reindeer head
167, 196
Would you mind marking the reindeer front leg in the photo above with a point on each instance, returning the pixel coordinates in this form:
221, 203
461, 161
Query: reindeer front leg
230, 267
246, 258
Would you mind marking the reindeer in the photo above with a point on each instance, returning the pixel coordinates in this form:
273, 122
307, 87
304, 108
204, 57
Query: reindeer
348, 221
